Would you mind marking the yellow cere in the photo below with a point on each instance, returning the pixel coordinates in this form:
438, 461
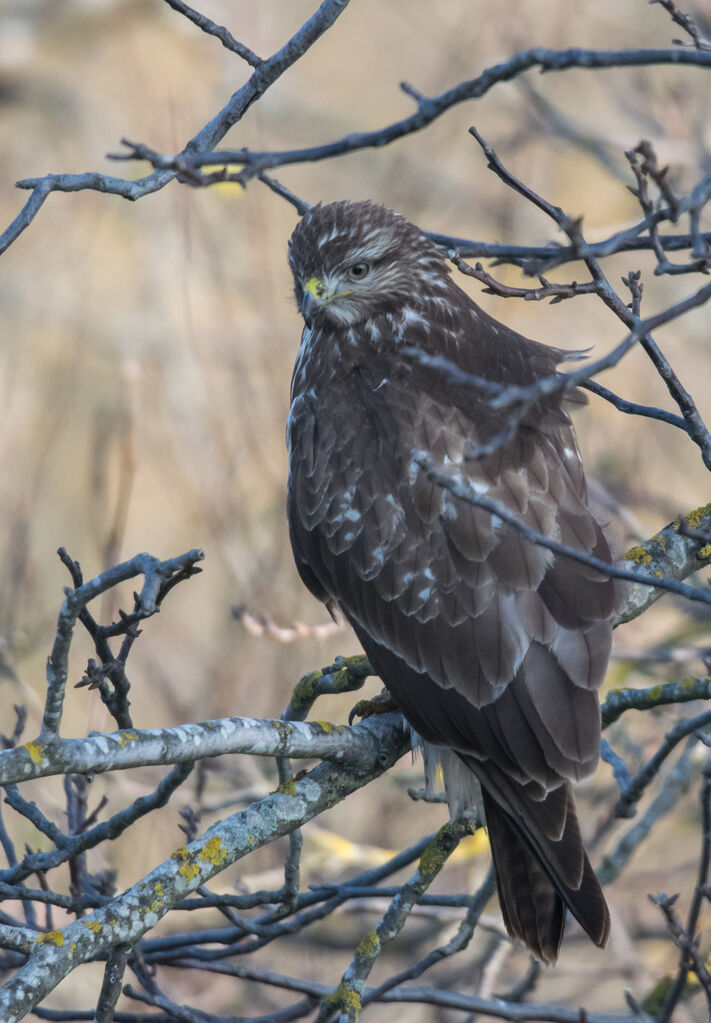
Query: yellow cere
314, 286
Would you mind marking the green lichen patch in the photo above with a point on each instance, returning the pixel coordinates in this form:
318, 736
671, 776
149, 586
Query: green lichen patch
35, 750
346, 998
695, 518
187, 867
214, 852
55, 937
640, 555
125, 737
441, 847
328, 727
369, 946
305, 693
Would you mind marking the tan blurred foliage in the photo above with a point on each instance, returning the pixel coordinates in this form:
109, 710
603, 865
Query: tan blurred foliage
147, 351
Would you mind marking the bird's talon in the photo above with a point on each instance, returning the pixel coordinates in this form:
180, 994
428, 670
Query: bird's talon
381, 704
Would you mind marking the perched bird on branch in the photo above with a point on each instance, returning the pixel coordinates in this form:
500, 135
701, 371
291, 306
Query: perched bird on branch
492, 646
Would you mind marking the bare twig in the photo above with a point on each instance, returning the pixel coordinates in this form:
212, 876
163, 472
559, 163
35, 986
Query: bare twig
689, 951
430, 108
686, 22
462, 490
221, 33
264, 75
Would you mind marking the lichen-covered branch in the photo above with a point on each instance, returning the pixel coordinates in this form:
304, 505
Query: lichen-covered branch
670, 554
137, 748
126, 918
347, 999
685, 690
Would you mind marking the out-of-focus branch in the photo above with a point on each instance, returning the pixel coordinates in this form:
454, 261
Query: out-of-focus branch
689, 950
675, 784
686, 22
686, 690
257, 624
348, 997
513, 1012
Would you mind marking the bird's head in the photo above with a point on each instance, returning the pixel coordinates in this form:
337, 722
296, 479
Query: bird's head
354, 260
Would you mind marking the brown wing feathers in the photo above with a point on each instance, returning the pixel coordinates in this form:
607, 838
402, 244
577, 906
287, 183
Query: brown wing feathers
490, 645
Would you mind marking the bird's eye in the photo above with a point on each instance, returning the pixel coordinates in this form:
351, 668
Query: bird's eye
358, 271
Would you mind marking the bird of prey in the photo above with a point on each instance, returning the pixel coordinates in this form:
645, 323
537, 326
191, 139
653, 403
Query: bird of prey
492, 647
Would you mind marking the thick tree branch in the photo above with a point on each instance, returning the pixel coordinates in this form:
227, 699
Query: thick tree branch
126, 918
115, 751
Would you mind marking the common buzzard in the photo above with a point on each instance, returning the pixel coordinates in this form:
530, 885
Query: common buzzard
491, 646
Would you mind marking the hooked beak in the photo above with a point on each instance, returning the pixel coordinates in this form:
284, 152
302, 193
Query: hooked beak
312, 299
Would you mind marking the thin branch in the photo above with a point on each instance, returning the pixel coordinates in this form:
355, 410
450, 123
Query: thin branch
111, 985
155, 573
430, 108
515, 1012
347, 999
626, 804
676, 783
700, 893
221, 33
522, 398
686, 22
632, 408
68, 846
460, 941
464, 492
264, 75
535, 259
686, 690
686, 942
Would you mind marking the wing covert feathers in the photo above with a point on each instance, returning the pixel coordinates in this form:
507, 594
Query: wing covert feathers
492, 646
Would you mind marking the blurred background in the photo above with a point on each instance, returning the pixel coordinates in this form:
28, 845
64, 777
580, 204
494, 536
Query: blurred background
144, 378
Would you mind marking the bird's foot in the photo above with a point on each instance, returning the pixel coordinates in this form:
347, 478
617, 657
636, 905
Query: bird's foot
380, 704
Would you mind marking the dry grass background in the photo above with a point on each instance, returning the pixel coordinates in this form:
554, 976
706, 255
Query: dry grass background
146, 357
